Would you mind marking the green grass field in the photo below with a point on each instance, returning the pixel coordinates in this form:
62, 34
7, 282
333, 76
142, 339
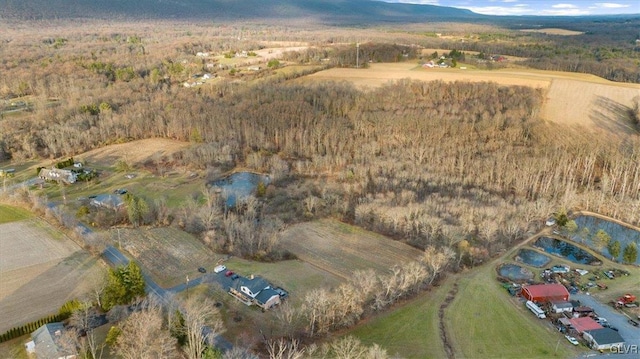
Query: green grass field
13, 214
411, 330
484, 321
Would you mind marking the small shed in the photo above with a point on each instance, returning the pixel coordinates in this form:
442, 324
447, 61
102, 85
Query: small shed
541, 293
582, 311
561, 306
603, 339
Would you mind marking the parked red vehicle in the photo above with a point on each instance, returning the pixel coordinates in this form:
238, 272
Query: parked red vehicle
228, 274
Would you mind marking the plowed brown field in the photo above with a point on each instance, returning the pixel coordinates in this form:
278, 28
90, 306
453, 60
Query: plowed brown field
40, 269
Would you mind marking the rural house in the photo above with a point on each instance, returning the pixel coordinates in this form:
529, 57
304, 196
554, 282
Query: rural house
255, 290
542, 293
603, 339
109, 201
56, 174
46, 342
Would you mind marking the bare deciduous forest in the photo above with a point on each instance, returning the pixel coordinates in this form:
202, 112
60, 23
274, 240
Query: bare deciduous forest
467, 165
459, 170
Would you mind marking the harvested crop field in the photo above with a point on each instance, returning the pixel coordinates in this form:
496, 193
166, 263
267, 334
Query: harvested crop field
379, 74
40, 269
571, 98
554, 31
167, 254
133, 152
340, 248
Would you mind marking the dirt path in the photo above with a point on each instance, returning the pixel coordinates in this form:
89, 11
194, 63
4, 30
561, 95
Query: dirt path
446, 342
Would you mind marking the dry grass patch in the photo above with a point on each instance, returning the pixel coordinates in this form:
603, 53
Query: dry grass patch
167, 254
341, 249
554, 31
379, 74
133, 152
39, 271
601, 106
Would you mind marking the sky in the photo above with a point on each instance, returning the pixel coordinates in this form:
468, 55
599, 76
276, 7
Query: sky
539, 7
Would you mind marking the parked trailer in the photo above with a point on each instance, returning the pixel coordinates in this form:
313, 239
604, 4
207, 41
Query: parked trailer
536, 310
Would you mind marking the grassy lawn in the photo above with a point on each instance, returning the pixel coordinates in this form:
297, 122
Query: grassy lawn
12, 214
14, 348
411, 330
297, 277
484, 321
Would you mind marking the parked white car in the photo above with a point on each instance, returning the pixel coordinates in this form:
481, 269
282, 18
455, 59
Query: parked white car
219, 268
572, 340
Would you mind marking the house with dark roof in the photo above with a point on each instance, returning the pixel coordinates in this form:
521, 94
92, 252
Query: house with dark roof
254, 290
603, 339
46, 342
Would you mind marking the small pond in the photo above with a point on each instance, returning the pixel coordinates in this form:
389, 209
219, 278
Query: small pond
588, 226
515, 272
567, 250
532, 258
239, 185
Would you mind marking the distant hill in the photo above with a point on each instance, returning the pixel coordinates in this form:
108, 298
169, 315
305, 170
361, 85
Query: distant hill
324, 11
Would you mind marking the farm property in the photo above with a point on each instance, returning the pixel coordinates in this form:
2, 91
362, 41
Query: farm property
571, 98
38, 266
167, 254
340, 249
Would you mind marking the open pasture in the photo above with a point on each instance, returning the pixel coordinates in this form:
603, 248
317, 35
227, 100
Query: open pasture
133, 152
571, 98
40, 269
168, 254
341, 249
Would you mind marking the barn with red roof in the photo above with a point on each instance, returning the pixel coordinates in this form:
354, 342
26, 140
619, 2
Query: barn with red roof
583, 324
541, 293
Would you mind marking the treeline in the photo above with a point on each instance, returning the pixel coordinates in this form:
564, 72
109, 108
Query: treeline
607, 47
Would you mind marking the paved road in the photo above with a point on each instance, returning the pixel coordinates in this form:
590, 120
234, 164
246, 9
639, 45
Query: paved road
628, 332
117, 258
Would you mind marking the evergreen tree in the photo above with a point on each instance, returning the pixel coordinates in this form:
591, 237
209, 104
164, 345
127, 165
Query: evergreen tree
614, 248
630, 254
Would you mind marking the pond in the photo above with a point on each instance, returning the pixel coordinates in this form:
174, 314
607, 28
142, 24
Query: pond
515, 272
239, 185
567, 250
532, 258
588, 226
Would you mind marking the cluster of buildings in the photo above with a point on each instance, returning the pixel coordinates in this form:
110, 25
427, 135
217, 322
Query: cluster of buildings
572, 318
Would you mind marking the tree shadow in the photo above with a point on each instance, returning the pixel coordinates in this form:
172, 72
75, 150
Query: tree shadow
612, 116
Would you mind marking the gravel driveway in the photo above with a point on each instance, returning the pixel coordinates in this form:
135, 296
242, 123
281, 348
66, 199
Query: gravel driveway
629, 333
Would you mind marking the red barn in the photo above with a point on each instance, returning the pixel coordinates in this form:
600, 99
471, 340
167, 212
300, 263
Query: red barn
541, 293
583, 324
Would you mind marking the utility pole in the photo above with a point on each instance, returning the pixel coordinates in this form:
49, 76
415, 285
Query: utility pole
357, 55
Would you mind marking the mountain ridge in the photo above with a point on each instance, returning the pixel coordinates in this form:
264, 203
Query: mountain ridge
324, 11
